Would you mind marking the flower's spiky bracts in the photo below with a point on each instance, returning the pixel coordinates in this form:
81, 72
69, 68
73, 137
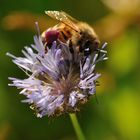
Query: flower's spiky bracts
59, 80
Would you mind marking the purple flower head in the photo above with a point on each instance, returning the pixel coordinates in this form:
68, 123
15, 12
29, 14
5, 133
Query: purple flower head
59, 80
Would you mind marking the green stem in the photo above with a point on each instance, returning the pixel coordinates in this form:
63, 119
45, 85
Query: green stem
76, 126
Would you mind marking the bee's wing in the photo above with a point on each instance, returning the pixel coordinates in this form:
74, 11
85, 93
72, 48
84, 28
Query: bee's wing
70, 17
63, 18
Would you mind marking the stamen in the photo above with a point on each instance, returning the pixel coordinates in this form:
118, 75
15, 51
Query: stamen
37, 27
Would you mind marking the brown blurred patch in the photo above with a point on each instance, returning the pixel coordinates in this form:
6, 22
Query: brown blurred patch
5, 129
110, 27
123, 7
26, 20
113, 25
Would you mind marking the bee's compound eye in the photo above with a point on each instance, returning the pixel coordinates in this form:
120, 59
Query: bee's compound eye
96, 43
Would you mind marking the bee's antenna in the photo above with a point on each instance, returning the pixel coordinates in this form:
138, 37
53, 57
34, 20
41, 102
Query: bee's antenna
37, 27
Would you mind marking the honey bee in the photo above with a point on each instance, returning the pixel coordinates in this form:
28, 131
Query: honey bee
78, 33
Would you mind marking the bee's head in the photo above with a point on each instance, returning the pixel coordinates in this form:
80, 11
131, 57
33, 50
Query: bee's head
88, 43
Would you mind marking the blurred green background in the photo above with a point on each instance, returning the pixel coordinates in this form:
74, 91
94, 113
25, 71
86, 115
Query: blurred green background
116, 116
